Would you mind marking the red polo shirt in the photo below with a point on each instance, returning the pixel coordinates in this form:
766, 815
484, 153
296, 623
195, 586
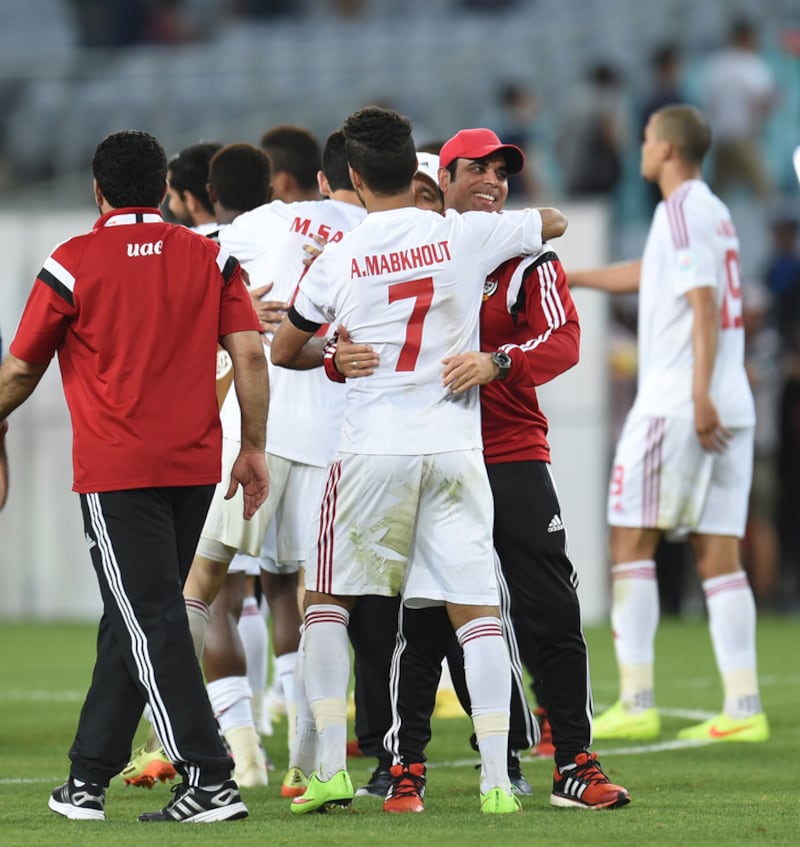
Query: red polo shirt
134, 310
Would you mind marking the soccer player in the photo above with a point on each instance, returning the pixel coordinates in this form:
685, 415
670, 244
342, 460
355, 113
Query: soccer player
187, 195
146, 457
529, 335
684, 459
425, 184
238, 181
407, 506
305, 411
296, 159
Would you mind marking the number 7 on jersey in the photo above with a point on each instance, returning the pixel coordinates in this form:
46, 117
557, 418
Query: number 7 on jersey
421, 290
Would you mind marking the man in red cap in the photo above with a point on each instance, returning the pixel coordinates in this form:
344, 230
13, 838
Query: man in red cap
529, 335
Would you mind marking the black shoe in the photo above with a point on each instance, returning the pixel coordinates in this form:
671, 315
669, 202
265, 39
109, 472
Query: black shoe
84, 802
199, 805
378, 783
519, 785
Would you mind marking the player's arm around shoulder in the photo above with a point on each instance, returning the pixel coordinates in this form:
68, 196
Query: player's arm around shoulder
554, 223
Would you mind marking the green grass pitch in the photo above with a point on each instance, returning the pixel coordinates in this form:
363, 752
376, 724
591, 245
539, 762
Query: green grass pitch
722, 795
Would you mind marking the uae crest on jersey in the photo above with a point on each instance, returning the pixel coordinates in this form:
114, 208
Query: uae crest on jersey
489, 288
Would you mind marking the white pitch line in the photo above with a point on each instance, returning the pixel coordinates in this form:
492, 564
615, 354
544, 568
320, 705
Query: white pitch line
638, 750
42, 696
634, 750
690, 714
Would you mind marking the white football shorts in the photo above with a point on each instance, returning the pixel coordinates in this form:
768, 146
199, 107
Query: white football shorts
295, 493
663, 479
225, 524
420, 526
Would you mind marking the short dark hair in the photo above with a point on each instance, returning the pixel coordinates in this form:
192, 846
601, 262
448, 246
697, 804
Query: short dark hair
188, 171
380, 147
130, 167
742, 29
665, 56
296, 150
240, 175
687, 128
334, 162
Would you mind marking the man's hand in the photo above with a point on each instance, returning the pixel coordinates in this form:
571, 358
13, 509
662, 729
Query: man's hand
313, 250
711, 434
354, 360
250, 471
467, 370
270, 312
3, 464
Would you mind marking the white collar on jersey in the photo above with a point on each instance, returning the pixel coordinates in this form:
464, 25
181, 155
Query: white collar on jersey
133, 218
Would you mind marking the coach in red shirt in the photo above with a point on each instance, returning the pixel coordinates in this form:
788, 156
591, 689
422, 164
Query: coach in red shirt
135, 309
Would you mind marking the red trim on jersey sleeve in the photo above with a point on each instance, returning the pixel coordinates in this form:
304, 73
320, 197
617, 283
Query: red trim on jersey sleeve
677, 217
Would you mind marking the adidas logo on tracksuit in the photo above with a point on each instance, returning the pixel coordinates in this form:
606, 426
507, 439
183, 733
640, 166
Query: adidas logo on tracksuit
555, 524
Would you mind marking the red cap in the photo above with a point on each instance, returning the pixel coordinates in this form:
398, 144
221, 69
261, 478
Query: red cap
478, 144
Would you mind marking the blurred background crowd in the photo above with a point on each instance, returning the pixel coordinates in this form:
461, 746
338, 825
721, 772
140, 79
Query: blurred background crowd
571, 81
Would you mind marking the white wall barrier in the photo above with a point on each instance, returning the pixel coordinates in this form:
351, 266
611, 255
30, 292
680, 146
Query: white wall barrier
45, 571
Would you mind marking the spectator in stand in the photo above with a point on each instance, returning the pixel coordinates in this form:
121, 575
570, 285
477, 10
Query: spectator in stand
782, 276
592, 138
518, 108
665, 88
740, 94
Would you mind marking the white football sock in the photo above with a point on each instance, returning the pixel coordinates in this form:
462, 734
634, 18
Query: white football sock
230, 701
304, 747
284, 670
253, 632
634, 621
327, 675
488, 672
732, 622
197, 612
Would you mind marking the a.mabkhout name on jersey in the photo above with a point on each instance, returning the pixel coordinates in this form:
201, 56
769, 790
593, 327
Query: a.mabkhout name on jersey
401, 260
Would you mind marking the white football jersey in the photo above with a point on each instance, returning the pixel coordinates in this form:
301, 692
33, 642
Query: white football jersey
409, 282
692, 243
305, 408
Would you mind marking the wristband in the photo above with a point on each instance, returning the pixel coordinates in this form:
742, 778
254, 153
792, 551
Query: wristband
329, 360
